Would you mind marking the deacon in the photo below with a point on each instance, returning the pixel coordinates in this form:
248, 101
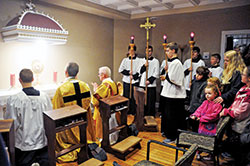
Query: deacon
153, 73
173, 93
71, 92
26, 108
106, 89
125, 70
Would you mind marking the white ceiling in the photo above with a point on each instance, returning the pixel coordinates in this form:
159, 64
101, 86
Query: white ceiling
133, 9
144, 6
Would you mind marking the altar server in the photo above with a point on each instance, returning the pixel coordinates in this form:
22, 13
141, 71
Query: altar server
26, 108
173, 93
125, 70
153, 74
215, 69
196, 62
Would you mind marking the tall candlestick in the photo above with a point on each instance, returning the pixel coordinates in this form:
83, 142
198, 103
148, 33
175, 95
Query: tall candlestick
165, 38
55, 76
192, 36
132, 39
12, 80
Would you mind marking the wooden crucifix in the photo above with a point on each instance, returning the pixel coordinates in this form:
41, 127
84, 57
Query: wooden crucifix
148, 25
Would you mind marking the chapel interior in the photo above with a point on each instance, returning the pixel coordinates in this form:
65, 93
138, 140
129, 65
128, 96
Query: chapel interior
99, 33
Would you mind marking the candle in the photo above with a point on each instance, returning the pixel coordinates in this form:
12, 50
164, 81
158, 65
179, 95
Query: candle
12, 80
192, 36
132, 39
55, 76
165, 38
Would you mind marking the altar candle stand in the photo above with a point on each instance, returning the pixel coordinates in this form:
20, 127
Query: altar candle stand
131, 64
191, 43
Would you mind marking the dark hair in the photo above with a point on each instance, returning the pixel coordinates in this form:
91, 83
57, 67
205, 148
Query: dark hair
26, 75
72, 69
150, 47
133, 47
197, 49
202, 70
217, 56
173, 46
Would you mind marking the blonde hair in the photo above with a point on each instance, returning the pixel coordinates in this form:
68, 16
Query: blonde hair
214, 89
215, 81
235, 64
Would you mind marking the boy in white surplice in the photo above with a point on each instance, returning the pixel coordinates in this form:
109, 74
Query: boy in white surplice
153, 74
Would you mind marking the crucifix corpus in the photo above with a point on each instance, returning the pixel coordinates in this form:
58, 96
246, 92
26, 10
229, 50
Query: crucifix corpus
148, 25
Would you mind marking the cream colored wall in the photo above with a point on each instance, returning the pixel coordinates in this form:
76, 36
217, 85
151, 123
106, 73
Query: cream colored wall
206, 25
90, 44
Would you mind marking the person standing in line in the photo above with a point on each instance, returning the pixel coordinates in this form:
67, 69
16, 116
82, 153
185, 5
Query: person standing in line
188, 67
125, 70
174, 94
153, 74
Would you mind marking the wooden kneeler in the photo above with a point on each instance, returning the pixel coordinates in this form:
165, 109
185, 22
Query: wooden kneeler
149, 122
62, 119
126, 144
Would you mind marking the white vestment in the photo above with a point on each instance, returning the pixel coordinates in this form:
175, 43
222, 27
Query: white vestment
216, 71
173, 86
27, 112
126, 65
153, 71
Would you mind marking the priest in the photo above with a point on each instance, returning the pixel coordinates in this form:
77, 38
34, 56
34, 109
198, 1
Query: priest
71, 92
106, 89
